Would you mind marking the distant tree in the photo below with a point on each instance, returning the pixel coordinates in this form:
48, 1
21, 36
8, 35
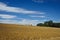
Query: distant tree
56, 25
48, 23
40, 24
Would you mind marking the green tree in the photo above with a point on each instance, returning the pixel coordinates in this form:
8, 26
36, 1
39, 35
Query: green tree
48, 23
40, 24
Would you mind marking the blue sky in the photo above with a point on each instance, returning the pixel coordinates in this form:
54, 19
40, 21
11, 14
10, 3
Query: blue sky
29, 11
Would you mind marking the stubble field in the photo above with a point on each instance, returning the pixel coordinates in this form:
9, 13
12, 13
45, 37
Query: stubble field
21, 32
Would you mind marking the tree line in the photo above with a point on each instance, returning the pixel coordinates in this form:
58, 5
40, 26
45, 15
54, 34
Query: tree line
49, 24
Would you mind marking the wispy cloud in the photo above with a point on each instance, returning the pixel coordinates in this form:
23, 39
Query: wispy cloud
8, 21
5, 7
12, 19
43, 1
38, 16
38, 1
23, 21
28, 22
7, 16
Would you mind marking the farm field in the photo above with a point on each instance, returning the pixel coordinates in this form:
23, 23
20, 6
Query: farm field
21, 32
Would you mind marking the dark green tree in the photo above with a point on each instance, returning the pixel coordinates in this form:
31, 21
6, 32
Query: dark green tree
48, 23
40, 24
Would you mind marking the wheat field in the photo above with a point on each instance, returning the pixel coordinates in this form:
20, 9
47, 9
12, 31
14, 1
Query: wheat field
21, 32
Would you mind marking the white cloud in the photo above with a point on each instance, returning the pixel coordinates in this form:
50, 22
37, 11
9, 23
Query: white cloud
8, 21
38, 16
23, 21
43, 1
5, 7
7, 16
28, 22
